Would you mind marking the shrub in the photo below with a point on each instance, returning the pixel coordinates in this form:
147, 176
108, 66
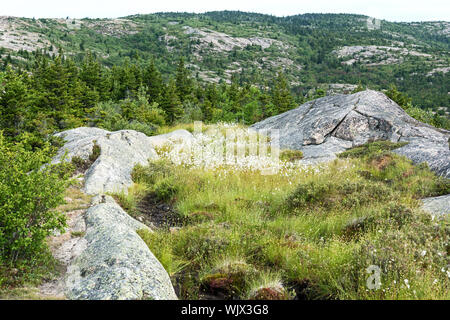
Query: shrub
81, 165
370, 148
28, 196
329, 194
290, 155
150, 174
166, 189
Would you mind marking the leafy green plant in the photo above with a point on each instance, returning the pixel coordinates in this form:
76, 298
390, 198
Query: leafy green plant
370, 148
28, 196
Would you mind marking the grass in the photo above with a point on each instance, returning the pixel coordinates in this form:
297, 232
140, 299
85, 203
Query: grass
22, 279
371, 148
309, 233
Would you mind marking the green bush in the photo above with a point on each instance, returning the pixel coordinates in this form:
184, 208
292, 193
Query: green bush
166, 189
338, 194
151, 173
291, 155
371, 148
28, 195
81, 165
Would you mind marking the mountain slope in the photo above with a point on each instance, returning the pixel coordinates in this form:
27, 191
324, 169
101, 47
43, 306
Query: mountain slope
333, 52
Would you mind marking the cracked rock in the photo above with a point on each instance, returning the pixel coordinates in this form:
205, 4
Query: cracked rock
330, 125
120, 151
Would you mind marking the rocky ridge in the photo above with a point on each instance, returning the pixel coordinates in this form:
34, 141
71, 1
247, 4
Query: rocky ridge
327, 126
110, 261
120, 151
116, 263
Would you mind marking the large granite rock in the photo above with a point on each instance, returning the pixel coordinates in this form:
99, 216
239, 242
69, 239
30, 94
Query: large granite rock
437, 206
116, 264
327, 126
120, 152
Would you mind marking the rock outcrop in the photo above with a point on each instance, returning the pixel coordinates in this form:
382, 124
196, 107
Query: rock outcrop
112, 262
437, 206
120, 151
327, 126
116, 264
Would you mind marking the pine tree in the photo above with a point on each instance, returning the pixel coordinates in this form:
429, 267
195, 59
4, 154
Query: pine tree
281, 94
171, 103
152, 80
183, 81
13, 103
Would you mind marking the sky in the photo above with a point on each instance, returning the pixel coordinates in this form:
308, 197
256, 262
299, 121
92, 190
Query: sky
392, 10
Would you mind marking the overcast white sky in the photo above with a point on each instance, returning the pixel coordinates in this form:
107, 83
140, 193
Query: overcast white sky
392, 10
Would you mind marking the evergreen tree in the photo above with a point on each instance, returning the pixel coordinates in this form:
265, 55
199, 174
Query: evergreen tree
13, 103
152, 80
171, 103
183, 81
400, 98
281, 94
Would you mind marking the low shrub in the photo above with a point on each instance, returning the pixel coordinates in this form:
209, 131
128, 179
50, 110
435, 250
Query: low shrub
166, 189
81, 165
291, 155
330, 194
159, 169
371, 148
28, 195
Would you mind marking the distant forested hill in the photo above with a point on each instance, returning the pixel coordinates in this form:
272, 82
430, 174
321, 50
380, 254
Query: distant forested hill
329, 53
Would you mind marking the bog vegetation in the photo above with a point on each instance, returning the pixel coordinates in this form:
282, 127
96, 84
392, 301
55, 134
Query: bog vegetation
306, 233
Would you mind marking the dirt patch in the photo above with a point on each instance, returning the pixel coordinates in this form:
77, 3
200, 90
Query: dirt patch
382, 162
66, 246
158, 213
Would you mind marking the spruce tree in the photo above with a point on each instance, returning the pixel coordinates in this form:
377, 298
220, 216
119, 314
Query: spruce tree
281, 94
152, 80
13, 100
183, 81
171, 103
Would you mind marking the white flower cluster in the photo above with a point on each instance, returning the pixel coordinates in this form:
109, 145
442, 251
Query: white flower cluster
229, 146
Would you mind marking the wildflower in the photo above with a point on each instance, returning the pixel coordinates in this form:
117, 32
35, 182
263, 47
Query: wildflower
407, 283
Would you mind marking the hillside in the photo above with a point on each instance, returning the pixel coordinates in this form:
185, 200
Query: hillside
224, 155
204, 213
329, 52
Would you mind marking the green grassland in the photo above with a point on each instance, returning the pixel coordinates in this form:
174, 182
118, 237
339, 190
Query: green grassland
310, 234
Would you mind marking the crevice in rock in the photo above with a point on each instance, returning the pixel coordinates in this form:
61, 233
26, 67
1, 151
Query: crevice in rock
332, 132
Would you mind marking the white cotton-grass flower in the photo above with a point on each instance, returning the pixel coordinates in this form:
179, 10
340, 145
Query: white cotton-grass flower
407, 283
212, 149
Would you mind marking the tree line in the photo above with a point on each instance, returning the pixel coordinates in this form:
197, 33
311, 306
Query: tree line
57, 94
